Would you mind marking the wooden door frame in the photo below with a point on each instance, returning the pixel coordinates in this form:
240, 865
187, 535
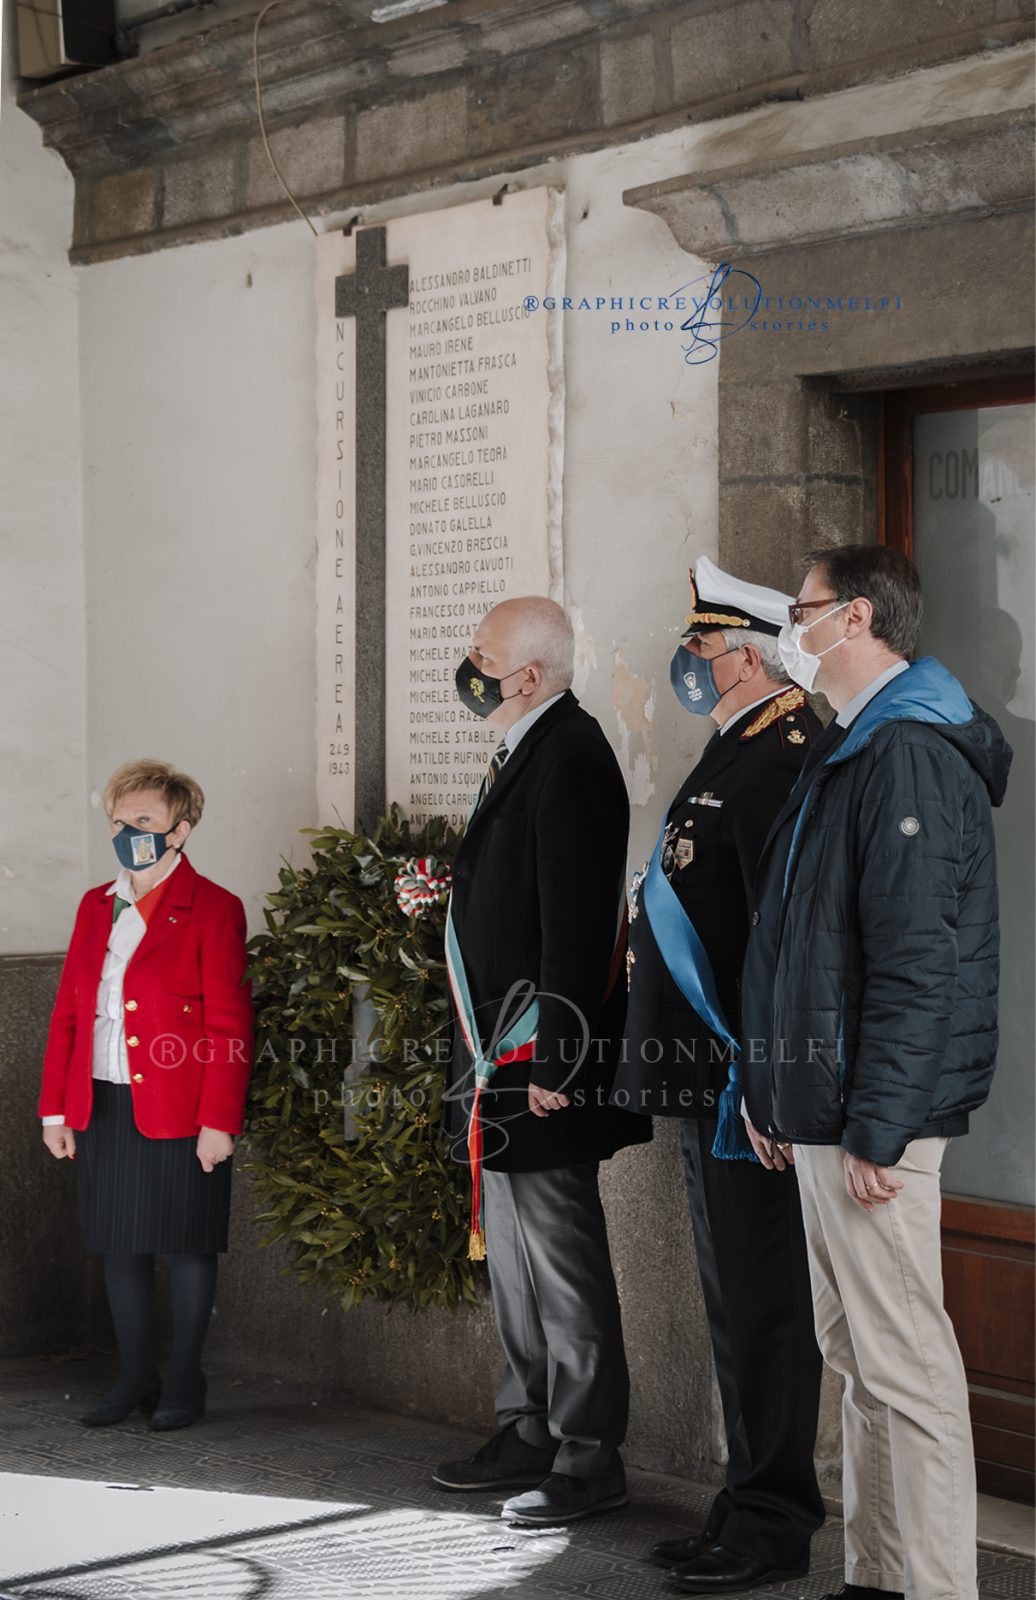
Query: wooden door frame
988, 1247
896, 416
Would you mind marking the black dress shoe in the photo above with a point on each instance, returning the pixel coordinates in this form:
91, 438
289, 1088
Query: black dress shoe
167, 1417
855, 1591
564, 1498
673, 1552
504, 1462
116, 1406
720, 1571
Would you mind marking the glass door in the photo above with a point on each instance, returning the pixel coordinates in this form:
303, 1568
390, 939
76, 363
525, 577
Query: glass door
957, 495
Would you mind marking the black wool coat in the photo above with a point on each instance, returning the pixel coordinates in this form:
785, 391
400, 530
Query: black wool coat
672, 1064
538, 882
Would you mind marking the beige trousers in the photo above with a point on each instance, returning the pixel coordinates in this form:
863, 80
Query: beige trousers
909, 1466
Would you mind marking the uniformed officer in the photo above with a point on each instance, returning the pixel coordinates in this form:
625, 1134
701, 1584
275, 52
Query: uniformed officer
688, 933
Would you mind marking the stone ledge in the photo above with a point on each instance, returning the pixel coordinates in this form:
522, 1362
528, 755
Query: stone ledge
498, 85
971, 168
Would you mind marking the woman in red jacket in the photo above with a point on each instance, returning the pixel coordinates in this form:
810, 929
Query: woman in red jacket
144, 1083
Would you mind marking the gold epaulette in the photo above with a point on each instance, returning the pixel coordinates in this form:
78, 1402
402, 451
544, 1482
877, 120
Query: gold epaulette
792, 699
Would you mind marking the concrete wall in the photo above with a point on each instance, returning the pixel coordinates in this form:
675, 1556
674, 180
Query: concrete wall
42, 636
50, 1296
198, 501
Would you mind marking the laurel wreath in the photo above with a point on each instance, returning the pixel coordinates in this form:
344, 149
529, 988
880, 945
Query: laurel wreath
356, 1176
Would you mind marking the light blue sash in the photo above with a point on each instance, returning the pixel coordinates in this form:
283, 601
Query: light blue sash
684, 955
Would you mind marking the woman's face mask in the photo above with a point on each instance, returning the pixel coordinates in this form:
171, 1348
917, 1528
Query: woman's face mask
694, 682
140, 848
478, 691
799, 664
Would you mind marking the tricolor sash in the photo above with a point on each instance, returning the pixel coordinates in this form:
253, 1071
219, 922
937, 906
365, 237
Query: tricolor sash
684, 955
517, 1044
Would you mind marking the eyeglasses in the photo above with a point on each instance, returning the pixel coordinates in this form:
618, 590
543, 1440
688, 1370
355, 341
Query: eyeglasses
796, 610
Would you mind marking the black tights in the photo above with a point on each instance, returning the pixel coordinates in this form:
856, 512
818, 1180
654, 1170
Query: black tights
192, 1290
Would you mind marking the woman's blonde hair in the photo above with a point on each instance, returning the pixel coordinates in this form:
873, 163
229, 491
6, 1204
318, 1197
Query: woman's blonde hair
182, 794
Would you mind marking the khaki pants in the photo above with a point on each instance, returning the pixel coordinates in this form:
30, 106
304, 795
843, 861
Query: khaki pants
909, 1467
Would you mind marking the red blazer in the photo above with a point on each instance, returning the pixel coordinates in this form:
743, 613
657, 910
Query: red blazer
188, 1015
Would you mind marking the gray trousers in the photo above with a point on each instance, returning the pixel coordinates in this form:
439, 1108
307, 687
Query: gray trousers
566, 1384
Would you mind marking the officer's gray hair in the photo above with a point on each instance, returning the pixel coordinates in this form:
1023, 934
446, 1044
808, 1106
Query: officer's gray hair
541, 633
766, 644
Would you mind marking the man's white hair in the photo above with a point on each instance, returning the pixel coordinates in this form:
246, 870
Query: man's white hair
765, 643
540, 634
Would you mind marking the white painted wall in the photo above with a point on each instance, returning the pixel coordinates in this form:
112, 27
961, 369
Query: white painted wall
198, 498
42, 644
199, 511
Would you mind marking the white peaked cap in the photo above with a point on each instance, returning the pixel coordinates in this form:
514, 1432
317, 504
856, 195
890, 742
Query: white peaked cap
721, 601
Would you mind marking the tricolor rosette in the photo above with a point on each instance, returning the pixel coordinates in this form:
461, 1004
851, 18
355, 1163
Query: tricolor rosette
420, 883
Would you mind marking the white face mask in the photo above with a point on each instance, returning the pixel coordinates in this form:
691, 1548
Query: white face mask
800, 666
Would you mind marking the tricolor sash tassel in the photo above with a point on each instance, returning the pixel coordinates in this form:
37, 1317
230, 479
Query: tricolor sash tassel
732, 1142
477, 1239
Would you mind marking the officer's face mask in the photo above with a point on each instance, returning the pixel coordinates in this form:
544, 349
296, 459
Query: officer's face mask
140, 848
800, 666
694, 682
478, 691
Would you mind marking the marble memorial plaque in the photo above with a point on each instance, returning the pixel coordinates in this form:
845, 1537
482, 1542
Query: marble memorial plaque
474, 455
473, 464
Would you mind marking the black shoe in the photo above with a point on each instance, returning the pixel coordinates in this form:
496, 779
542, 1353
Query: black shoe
167, 1417
856, 1591
673, 1552
117, 1405
720, 1571
562, 1498
504, 1462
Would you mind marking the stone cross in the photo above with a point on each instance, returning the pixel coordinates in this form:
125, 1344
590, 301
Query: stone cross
373, 290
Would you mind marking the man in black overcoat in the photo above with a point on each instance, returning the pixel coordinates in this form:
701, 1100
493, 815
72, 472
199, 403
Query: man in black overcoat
747, 1225
538, 911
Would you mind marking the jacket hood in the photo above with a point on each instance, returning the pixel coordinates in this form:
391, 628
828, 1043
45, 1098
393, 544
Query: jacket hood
926, 692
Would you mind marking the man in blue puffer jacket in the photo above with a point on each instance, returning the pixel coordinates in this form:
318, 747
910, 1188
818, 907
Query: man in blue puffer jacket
869, 1030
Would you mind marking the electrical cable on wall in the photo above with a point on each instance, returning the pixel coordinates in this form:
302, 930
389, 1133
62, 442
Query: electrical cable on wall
262, 121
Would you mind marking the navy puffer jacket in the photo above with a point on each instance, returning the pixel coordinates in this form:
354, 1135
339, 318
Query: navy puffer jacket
869, 993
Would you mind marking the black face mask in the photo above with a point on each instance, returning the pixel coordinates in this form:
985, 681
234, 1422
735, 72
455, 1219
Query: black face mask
140, 848
478, 691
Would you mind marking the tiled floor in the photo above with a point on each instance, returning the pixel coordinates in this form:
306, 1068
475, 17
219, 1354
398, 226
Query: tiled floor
278, 1497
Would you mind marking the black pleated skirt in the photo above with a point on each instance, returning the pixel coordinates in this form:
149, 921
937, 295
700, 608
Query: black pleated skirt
146, 1196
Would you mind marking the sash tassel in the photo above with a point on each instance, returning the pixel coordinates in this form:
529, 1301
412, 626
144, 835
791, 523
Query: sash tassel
477, 1238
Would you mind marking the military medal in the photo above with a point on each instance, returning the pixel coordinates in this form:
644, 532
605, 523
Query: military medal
684, 853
